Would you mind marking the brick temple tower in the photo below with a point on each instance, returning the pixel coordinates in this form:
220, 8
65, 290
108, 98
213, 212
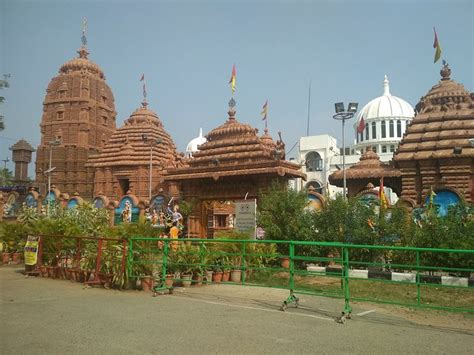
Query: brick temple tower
78, 118
436, 153
21, 156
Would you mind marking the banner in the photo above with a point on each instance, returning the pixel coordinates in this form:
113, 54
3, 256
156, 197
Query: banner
31, 250
245, 216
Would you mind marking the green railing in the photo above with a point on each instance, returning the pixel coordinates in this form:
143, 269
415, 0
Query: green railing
413, 277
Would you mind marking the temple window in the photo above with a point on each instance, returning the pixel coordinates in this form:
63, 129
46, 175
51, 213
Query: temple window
374, 131
384, 130
60, 115
62, 94
384, 149
366, 131
392, 148
392, 129
362, 136
374, 149
314, 162
399, 128
103, 99
104, 120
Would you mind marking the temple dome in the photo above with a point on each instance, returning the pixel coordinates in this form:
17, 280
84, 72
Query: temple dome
81, 64
127, 147
444, 121
234, 143
386, 105
193, 145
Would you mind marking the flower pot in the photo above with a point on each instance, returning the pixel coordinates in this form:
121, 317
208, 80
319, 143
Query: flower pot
16, 258
147, 283
5, 258
43, 271
225, 276
217, 276
235, 275
197, 280
169, 280
208, 276
186, 280
285, 263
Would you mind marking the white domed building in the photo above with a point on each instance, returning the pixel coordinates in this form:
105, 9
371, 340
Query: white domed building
193, 145
385, 120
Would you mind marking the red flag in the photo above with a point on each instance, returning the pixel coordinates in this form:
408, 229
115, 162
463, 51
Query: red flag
361, 126
143, 77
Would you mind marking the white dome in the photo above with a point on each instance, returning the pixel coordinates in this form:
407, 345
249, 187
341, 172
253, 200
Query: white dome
194, 144
386, 105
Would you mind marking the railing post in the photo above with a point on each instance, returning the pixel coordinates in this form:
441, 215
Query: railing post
292, 266
418, 277
345, 265
244, 262
165, 259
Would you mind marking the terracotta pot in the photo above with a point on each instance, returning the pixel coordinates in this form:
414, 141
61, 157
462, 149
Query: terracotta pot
217, 276
16, 258
235, 275
6, 258
147, 283
285, 263
186, 280
208, 277
169, 281
197, 280
226, 276
43, 271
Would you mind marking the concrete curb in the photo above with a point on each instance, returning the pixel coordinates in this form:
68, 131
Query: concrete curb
395, 276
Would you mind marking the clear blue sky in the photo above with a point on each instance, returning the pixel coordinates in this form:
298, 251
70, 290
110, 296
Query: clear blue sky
186, 50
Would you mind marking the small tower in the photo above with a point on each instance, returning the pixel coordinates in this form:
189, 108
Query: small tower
21, 156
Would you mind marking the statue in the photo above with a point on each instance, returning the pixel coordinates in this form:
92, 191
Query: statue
127, 213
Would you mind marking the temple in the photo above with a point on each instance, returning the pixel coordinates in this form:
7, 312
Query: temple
235, 163
124, 163
78, 119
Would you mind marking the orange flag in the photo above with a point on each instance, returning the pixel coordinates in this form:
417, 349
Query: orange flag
232, 80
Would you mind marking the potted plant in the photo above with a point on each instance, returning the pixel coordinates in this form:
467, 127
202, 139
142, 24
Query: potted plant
187, 258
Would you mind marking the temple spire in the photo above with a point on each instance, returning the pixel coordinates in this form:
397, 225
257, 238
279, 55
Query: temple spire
83, 53
386, 87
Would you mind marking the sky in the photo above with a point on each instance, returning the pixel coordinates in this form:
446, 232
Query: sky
186, 50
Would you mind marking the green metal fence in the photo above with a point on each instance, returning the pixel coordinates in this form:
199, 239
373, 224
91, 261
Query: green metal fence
414, 277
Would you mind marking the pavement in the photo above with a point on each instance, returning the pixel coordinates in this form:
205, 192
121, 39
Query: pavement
45, 316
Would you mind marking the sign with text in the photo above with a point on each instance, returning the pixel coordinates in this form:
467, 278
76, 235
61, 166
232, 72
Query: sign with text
245, 216
31, 250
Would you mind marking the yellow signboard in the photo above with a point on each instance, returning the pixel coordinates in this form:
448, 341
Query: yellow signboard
31, 250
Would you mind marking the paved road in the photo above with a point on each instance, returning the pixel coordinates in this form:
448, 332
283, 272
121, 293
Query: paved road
43, 316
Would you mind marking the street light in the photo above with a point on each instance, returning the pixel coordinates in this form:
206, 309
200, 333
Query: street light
342, 115
151, 143
52, 143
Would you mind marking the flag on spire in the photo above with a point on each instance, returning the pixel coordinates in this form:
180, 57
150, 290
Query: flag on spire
144, 86
382, 197
265, 111
232, 80
437, 46
361, 126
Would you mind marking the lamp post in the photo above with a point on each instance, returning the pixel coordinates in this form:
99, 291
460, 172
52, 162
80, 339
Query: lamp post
343, 115
52, 143
151, 143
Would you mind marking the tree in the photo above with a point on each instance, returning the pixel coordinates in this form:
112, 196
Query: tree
6, 177
3, 84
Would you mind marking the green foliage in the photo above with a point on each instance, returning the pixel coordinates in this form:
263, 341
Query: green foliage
282, 213
6, 177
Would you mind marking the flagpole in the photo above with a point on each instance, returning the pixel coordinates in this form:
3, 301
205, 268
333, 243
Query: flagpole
309, 108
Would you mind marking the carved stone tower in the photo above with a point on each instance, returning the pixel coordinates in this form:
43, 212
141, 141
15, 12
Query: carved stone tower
21, 156
78, 118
